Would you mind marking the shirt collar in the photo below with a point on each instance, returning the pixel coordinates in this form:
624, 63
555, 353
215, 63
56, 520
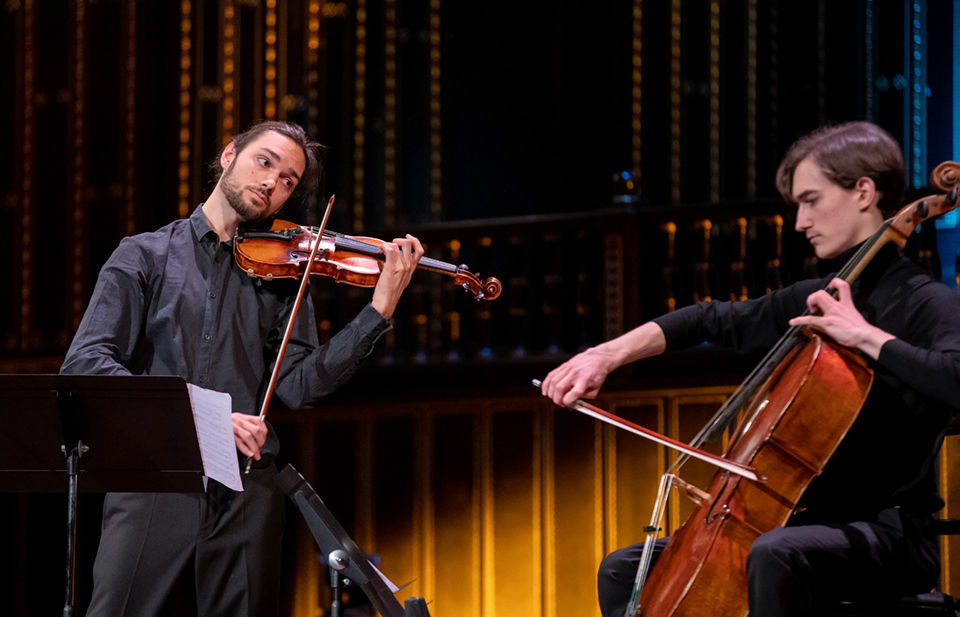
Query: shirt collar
886, 253
198, 222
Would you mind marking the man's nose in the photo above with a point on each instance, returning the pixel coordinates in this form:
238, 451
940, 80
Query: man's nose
269, 183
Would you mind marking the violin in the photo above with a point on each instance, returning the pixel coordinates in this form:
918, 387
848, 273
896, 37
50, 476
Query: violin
284, 250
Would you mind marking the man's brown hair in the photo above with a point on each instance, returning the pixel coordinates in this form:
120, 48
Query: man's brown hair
845, 153
313, 153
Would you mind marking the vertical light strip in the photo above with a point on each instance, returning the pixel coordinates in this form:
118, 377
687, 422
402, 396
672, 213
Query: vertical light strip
675, 86
287, 101
752, 98
480, 441
313, 59
488, 606
390, 113
661, 449
598, 502
536, 494
549, 514
915, 97
26, 201
614, 291
79, 130
870, 68
129, 224
270, 56
436, 191
359, 112
774, 83
428, 535
610, 487
476, 511
229, 66
183, 193
636, 93
715, 101
305, 593
821, 62
673, 430
365, 464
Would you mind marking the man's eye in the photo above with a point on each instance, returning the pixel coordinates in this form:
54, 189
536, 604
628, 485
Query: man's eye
262, 160
288, 182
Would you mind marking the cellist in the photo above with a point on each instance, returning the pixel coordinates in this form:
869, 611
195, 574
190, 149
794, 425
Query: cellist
862, 528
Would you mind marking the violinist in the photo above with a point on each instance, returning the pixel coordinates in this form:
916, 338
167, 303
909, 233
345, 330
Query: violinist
174, 302
862, 528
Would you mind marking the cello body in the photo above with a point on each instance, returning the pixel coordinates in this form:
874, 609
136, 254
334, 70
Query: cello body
790, 429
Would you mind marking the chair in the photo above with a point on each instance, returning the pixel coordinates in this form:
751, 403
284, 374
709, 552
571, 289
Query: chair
933, 604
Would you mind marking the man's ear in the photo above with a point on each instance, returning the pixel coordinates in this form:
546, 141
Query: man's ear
226, 157
866, 193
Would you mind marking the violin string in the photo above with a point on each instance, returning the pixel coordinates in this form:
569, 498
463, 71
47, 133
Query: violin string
372, 250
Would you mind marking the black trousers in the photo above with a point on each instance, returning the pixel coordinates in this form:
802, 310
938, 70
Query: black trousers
796, 571
211, 554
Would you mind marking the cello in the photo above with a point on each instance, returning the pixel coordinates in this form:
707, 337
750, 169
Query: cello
794, 409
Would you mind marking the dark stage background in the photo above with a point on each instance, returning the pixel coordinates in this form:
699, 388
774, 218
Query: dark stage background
607, 161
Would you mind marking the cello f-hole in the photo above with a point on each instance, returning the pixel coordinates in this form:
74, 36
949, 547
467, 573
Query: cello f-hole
711, 514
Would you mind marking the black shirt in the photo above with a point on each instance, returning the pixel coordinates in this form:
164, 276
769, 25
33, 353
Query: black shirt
174, 302
888, 457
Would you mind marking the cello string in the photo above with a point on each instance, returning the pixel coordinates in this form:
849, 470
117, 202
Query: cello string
727, 412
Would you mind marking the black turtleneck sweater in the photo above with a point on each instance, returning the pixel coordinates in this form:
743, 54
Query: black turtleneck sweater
888, 457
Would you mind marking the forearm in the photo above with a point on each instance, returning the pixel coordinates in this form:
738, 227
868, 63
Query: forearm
641, 342
582, 375
311, 372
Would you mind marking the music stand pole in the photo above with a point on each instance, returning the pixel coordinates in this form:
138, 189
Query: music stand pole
337, 560
73, 466
141, 428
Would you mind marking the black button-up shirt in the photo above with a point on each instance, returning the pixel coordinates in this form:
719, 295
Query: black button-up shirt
174, 302
888, 457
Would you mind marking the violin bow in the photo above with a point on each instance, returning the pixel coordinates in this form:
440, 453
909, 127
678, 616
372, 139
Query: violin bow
293, 316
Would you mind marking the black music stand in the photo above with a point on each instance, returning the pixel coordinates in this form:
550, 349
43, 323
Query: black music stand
117, 434
345, 558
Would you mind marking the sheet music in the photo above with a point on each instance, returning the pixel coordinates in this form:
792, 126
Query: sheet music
211, 414
386, 581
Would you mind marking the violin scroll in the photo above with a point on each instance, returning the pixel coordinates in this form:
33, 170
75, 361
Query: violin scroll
485, 289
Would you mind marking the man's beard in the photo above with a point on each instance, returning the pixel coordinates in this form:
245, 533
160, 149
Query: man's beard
236, 199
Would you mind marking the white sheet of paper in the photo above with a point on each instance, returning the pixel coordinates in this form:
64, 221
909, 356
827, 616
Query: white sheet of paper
211, 414
393, 588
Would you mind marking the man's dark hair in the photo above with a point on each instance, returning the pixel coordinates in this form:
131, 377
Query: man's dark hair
313, 153
845, 153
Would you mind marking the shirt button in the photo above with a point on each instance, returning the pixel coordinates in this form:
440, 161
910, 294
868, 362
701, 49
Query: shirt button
206, 336
203, 379
213, 295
